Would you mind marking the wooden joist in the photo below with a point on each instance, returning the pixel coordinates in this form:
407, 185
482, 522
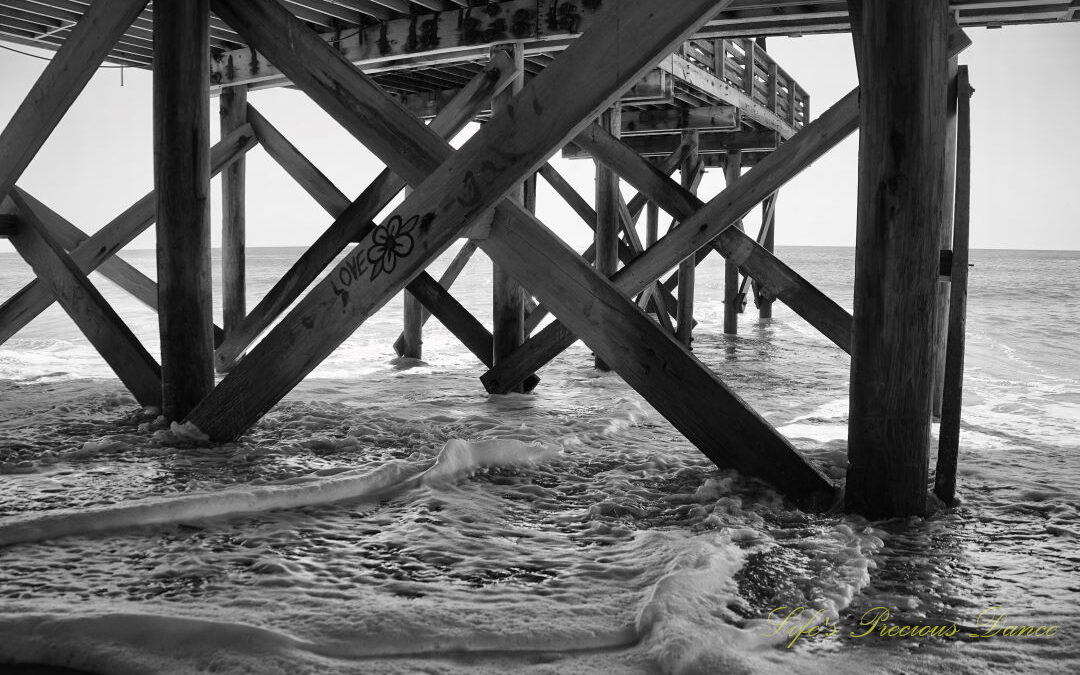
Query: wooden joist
710, 143
97, 320
355, 220
550, 111
60, 84
675, 120
35, 297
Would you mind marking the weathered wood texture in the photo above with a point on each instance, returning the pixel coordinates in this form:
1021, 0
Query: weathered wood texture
688, 267
675, 120
34, 298
903, 61
233, 111
95, 318
449, 276
733, 300
606, 236
949, 433
354, 221
709, 143
469, 183
763, 298
507, 296
61, 83
943, 293
182, 182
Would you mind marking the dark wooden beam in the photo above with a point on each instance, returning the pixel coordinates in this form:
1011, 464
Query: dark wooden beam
233, 112
733, 298
182, 183
463, 185
34, 298
60, 84
949, 432
95, 318
606, 236
9, 224
684, 328
903, 63
507, 296
675, 120
943, 291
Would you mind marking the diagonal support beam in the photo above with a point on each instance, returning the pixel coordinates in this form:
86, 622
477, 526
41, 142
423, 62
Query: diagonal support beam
115, 269
61, 83
35, 297
354, 221
471, 181
468, 184
84, 303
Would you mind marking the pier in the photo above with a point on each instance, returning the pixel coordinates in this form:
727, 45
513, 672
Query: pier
642, 88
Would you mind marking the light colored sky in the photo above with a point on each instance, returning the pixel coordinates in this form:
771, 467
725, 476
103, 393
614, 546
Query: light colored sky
1024, 185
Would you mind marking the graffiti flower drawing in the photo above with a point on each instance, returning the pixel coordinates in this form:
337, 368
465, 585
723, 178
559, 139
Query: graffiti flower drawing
390, 242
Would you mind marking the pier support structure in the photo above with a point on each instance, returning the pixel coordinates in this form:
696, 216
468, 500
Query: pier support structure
902, 59
182, 182
606, 236
233, 110
689, 177
733, 295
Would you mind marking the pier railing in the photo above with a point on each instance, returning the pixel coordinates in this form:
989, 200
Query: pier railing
744, 65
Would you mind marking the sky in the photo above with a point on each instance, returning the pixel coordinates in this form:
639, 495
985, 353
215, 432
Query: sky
1024, 185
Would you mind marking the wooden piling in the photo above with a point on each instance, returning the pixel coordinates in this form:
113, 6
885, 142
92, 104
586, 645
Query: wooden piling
182, 182
941, 304
732, 297
607, 209
233, 111
685, 327
508, 299
949, 434
768, 242
901, 50
412, 332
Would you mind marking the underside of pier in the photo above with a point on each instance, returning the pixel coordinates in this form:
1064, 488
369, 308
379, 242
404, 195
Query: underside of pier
643, 88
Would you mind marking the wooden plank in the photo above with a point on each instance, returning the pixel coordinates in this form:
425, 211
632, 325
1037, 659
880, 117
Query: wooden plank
606, 235
689, 395
85, 305
182, 183
733, 298
35, 297
903, 60
507, 296
675, 120
60, 84
708, 143
352, 223
949, 432
551, 110
233, 103
687, 268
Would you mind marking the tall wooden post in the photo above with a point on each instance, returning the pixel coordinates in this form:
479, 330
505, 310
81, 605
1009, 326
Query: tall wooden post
233, 102
412, 333
732, 301
182, 181
607, 209
768, 242
900, 47
652, 223
941, 306
508, 299
684, 329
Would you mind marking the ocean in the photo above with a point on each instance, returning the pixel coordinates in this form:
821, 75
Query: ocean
389, 516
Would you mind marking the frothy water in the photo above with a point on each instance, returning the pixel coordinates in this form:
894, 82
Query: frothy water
389, 516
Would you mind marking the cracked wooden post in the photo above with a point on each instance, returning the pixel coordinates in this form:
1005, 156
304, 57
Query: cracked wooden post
182, 182
941, 305
687, 268
732, 299
901, 50
768, 242
606, 236
233, 110
507, 296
